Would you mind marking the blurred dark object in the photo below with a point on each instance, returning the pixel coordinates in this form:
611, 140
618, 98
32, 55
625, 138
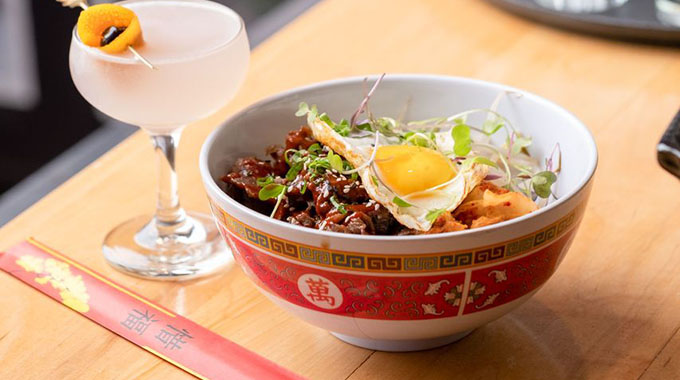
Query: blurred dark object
637, 20
31, 137
668, 150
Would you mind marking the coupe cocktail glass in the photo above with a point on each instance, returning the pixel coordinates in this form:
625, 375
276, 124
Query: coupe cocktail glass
200, 52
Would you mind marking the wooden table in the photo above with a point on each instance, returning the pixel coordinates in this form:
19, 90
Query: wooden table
611, 311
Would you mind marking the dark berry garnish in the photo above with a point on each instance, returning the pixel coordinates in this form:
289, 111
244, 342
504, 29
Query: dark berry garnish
110, 34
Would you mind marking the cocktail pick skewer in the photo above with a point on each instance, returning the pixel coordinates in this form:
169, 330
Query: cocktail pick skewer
83, 4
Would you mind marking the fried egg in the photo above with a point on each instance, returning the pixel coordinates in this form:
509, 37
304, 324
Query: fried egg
414, 183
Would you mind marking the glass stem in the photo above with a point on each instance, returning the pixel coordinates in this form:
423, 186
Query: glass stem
170, 218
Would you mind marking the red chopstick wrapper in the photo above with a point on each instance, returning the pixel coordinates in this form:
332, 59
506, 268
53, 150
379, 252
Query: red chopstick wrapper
154, 328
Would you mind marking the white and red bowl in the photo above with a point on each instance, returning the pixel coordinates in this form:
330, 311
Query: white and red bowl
401, 293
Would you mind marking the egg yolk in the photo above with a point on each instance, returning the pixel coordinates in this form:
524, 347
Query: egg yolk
408, 169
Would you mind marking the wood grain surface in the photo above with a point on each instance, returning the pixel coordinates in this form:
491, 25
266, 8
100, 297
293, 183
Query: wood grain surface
612, 310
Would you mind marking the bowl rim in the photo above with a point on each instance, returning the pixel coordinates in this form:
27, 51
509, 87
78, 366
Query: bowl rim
212, 187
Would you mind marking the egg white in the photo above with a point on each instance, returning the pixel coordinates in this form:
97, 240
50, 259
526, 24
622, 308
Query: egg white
358, 151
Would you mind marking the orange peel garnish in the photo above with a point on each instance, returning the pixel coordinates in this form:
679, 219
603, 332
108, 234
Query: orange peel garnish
95, 20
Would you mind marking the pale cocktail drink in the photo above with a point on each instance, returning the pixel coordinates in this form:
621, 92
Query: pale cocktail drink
200, 53
196, 73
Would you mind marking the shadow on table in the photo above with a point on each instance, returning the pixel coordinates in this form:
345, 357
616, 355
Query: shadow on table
532, 342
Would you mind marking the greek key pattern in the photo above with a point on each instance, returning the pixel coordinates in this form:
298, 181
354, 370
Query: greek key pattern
397, 263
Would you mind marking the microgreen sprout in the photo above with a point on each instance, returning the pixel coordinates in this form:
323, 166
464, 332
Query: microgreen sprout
478, 160
461, 137
314, 149
338, 205
264, 181
276, 206
432, 215
364, 102
501, 158
311, 112
549, 161
517, 143
420, 139
271, 190
335, 161
400, 202
542, 183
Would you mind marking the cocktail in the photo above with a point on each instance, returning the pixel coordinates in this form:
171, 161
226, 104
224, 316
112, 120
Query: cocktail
196, 56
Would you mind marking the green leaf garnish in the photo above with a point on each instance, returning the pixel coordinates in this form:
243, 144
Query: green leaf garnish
286, 155
492, 125
386, 125
320, 165
311, 112
365, 127
303, 109
520, 142
542, 183
326, 119
270, 191
264, 181
314, 149
400, 202
419, 139
335, 161
347, 166
432, 215
462, 142
478, 160
294, 170
338, 205
342, 128
374, 179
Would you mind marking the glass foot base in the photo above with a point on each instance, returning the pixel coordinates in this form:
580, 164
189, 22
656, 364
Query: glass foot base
402, 345
196, 250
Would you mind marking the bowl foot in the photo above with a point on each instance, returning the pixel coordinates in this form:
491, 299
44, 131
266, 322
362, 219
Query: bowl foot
402, 345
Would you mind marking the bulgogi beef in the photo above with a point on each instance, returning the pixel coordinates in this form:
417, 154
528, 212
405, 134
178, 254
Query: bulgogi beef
316, 195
